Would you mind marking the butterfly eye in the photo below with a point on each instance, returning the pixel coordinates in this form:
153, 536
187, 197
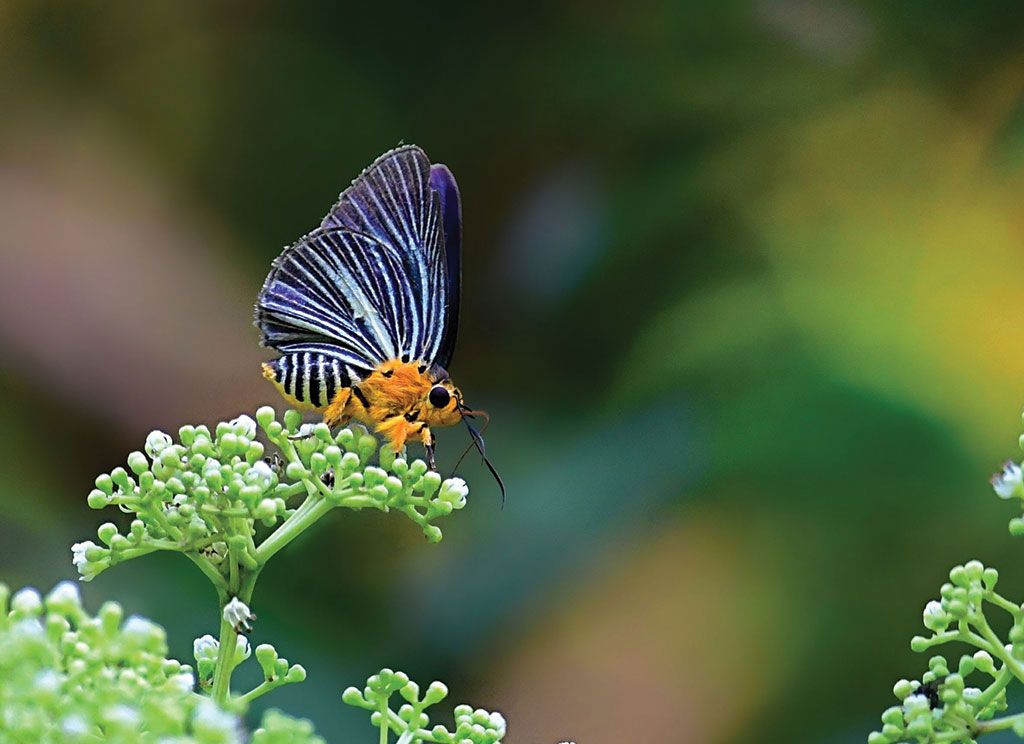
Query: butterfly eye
439, 396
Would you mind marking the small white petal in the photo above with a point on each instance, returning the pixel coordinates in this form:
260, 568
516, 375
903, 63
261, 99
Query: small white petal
212, 722
243, 425
156, 443
237, 613
1010, 482
205, 647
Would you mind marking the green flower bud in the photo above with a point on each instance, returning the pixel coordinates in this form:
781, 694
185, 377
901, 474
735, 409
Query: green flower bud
938, 666
983, 662
266, 511
903, 688
64, 599
266, 655
292, 420
366, 447
411, 692
352, 696
990, 578
106, 531
318, 463
296, 673
169, 458
393, 486
349, 463
429, 484
248, 494
966, 665
110, 617
138, 462
890, 733
105, 484
346, 438
918, 643
435, 693
97, 499
957, 608
974, 569
1017, 526
255, 453
386, 457
958, 575
295, 471
228, 444
264, 416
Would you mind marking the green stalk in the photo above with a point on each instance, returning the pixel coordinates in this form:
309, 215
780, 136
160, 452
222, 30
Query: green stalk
225, 661
314, 507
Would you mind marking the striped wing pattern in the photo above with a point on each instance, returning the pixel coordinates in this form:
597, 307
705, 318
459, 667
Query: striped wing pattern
371, 284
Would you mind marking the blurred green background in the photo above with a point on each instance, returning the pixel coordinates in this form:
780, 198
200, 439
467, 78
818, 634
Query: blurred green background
742, 295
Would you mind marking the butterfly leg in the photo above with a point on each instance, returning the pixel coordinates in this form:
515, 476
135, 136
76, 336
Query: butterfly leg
429, 440
336, 415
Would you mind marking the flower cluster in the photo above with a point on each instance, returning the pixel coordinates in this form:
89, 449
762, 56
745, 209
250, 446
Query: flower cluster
941, 707
206, 494
411, 723
67, 676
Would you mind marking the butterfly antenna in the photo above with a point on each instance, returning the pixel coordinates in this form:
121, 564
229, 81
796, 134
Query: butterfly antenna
478, 442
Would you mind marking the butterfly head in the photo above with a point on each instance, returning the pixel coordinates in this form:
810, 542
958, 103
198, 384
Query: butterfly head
442, 402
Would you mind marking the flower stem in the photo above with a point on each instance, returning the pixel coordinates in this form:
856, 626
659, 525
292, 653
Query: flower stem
225, 661
314, 507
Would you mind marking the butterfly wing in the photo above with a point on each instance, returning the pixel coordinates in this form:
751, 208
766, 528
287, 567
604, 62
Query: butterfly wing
442, 180
396, 202
372, 281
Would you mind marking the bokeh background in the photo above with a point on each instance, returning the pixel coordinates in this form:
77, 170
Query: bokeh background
743, 295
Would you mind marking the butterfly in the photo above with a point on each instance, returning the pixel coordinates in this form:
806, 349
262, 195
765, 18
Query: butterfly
364, 310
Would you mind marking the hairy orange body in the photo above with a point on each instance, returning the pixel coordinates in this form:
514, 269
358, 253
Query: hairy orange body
393, 400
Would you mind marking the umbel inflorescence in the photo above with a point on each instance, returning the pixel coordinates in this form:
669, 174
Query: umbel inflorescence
962, 700
225, 502
208, 494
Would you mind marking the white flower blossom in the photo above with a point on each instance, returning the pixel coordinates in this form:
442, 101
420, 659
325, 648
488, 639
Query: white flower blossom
156, 443
212, 723
237, 613
243, 426
935, 618
86, 570
260, 474
205, 647
454, 491
1010, 482
184, 682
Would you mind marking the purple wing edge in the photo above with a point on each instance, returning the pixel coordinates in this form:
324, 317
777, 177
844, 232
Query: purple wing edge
443, 182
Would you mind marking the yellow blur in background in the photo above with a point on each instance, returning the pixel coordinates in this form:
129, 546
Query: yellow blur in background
742, 293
